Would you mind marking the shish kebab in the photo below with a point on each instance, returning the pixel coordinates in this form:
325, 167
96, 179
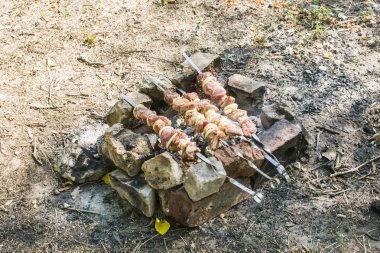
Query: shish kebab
216, 91
201, 114
176, 140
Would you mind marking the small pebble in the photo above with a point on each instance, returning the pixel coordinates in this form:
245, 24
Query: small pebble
322, 68
65, 205
297, 97
297, 165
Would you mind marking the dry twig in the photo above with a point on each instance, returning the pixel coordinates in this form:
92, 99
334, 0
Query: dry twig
81, 58
328, 130
138, 246
35, 156
356, 168
79, 210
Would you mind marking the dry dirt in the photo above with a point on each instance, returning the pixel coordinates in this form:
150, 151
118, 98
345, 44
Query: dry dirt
326, 70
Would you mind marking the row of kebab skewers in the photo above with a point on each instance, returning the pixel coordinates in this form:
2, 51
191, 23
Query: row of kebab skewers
208, 120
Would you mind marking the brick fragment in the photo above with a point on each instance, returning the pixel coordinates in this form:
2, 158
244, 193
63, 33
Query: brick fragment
286, 140
192, 214
236, 166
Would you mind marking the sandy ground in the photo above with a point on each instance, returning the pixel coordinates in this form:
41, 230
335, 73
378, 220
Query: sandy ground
324, 66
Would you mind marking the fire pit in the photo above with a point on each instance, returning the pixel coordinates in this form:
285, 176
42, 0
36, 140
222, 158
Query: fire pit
191, 157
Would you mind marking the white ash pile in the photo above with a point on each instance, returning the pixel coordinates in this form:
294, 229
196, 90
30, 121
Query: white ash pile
204, 156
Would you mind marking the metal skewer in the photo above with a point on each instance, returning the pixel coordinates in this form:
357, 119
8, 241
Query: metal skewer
268, 154
274, 182
256, 195
192, 63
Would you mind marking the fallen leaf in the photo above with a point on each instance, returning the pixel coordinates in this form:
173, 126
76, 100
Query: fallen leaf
90, 39
106, 178
161, 226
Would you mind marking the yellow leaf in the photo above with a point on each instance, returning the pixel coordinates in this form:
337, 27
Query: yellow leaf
106, 178
161, 226
90, 39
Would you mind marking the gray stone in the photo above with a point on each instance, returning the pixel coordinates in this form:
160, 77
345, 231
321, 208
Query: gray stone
126, 149
153, 140
121, 112
187, 77
298, 96
270, 114
136, 190
248, 92
202, 60
103, 146
149, 88
113, 130
202, 180
162, 172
